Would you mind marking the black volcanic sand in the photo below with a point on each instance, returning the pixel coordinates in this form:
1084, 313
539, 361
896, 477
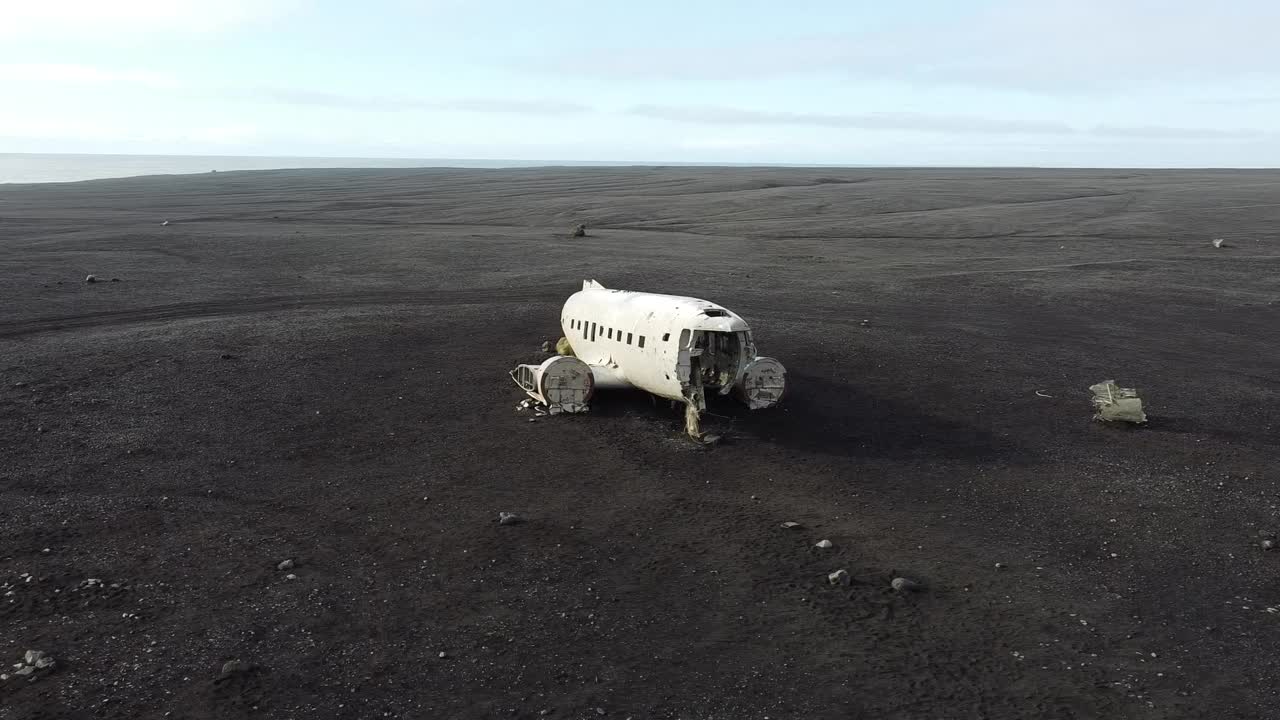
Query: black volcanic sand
313, 365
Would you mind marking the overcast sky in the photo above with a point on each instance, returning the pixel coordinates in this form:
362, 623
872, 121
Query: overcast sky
956, 82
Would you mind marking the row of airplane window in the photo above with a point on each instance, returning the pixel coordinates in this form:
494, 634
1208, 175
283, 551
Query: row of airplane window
590, 331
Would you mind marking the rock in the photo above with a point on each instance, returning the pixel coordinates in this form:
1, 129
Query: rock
901, 584
824, 544
443, 654
599, 711
1001, 566
285, 565
790, 525
290, 576
1219, 242
547, 346
233, 667
579, 230
164, 224
27, 670
33, 656
91, 278
711, 439
44, 663
3, 677
839, 577
506, 518
1268, 544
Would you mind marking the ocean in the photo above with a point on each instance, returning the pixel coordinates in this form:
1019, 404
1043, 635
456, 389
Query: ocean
45, 168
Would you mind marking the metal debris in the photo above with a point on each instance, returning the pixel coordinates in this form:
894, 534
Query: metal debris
901, 584
560, 383
1115, 403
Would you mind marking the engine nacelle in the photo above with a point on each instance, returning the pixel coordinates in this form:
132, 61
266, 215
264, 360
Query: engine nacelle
561, 383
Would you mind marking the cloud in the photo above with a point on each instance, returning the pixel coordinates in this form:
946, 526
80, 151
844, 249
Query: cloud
83, 75
865, 121
946, 124
1162, 132
1084, 46
347, 101
132, 17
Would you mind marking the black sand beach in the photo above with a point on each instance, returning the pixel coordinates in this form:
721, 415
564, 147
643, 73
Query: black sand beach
311, 365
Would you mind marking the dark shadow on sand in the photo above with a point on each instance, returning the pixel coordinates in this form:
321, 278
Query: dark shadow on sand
828, 417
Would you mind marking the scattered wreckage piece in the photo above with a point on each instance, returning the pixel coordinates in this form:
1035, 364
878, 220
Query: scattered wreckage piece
1117, 404
560, 384
1219, 242
678, 348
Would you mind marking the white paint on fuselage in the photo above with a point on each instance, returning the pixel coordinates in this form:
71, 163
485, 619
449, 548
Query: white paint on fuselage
633, 338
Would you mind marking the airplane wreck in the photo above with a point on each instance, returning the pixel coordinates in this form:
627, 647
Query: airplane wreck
678, 348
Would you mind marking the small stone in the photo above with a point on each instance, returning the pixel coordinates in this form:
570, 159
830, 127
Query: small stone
285, 565
791, 525
824, 544
165, 223
599, 711
1001, 566
1219, 242
901, 584
839, 577
33, 656
711, 439
234, 667
44, 662
579, 230
25, 670
290, 576
506, 518
443, 654
547, 346
4, 676
91, 278
1268, 544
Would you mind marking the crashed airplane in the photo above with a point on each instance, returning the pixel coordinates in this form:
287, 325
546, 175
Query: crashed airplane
679, 348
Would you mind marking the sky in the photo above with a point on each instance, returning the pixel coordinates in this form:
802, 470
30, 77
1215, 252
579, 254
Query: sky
1077, 83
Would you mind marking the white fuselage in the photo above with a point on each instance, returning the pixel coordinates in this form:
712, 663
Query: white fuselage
670, 346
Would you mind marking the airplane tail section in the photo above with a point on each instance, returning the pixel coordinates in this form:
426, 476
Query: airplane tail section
592, 285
